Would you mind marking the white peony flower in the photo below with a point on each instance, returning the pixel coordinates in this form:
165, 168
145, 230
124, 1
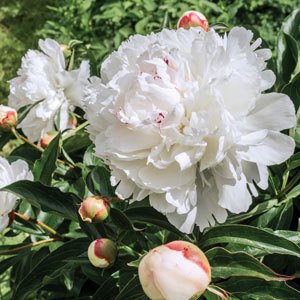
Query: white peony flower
180, 117
43, 77
10, 173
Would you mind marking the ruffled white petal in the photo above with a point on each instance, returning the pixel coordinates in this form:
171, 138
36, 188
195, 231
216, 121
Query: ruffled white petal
43, 80
180, 116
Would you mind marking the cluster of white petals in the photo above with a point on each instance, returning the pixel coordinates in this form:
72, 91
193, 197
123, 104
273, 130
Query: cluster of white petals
180, 116
10, 173
43, 80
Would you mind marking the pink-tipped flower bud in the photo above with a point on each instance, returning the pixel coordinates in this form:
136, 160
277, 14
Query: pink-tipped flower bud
178, 270
72, 120
47, 138
8, 118
192, 18
102, 253
94, 209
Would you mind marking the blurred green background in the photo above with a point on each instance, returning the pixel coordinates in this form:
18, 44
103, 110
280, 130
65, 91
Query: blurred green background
103, 25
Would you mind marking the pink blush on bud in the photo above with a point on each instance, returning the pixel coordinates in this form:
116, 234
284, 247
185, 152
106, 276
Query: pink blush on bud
193, 19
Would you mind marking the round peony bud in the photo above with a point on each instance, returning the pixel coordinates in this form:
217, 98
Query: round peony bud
102, 253
72, 120
192, 18
178, 270
8, 117
47, 138
94, 209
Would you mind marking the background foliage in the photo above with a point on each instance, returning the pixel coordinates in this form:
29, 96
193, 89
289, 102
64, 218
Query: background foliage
256, 255
103, 24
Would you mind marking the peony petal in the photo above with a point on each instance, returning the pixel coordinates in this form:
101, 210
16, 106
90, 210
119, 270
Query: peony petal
184, 222
158, 201
275, 148
236, 198
272, 111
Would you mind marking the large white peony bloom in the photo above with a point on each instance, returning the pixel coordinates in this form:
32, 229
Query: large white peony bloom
180, 117
43, 77
10, 173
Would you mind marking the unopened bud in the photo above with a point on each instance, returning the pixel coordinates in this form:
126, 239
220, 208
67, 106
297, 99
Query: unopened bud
102, 253
192, 18
8, 118
178, 270
94, 209
72, 120
47, 138
66, 50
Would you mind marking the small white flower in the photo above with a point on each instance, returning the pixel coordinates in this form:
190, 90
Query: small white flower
180, 117
43, 77
10, 173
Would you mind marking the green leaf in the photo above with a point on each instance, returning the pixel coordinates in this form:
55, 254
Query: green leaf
292, 89
249, 236
291, 25
293, 236
257, 289
295, 132
120, 219
80, 140
257, 210
98, 182
4, 138
294, 161
149, 215
295, 192
25, 152
50, 264
8, 262
44, 167
276, 217
287, 46
226, 264
287, 56
90, 159
49, 199
132, 291
107, 290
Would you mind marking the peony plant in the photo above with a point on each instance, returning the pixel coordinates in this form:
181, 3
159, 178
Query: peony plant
187, 139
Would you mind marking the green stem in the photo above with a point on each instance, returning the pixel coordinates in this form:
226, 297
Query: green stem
72, 132
24, 139
30, 245
40, 149
41, 224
